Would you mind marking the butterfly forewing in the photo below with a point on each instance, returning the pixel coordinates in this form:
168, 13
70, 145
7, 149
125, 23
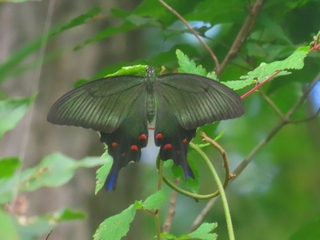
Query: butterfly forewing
101, 105
196, 100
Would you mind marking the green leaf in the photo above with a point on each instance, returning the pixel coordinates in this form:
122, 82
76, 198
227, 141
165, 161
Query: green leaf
274, 27
212, 75
220, 134
189, 66
11, 112
8, 166
116, 226
168, 236
131, 70
38, 226
239, 84
34, 228
155, 201
69, 215
7, 229
102, 172
6, 187
190, 183
54, 170
294, 61
204, 232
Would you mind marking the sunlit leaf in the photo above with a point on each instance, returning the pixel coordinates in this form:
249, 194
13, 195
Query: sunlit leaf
117, 226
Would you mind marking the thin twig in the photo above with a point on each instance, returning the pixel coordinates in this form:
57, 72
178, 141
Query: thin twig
172, 209
224, 156
260, 84
271, 103
48, 235
242, 35
202, 214
284, 121
214, 57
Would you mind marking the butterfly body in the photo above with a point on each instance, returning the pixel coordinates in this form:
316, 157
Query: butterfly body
121, 107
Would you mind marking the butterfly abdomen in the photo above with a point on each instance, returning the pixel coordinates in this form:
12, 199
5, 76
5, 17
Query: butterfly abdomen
150, 104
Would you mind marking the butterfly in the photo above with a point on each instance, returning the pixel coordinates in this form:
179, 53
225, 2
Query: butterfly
120, 108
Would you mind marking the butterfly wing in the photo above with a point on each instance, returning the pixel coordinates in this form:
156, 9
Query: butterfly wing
116, 108
197, 100
172, 138
186, 102
124, 144
101, 105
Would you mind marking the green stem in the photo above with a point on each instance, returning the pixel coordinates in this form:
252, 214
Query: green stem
157, 222
160, 171
222, 192
195, 195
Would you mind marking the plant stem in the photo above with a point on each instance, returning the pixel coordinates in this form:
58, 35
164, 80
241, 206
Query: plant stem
222, 194
157, 222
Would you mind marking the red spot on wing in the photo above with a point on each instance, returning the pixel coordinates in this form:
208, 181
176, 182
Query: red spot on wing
159, 136
185, 141
134, 148
114, 144
167, 146
143, 137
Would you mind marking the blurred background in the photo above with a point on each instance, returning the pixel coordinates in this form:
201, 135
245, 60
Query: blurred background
275, 197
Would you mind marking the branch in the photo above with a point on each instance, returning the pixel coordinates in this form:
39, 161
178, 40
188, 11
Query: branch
172, 209
214, 57
284, 121
202, 214
242, 35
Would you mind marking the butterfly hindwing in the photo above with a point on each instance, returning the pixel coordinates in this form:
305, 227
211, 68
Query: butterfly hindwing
125, 143
172, 138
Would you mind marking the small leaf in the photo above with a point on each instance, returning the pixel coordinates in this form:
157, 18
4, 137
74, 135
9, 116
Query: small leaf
117, 226
219, 135
189, 66
11, 112
168, 236
8, 166
212, 75
7, 229
102, 172
204, 232
274, 27
155, 201
190, 183
239, 84
131, 70
6, 189
69, 215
